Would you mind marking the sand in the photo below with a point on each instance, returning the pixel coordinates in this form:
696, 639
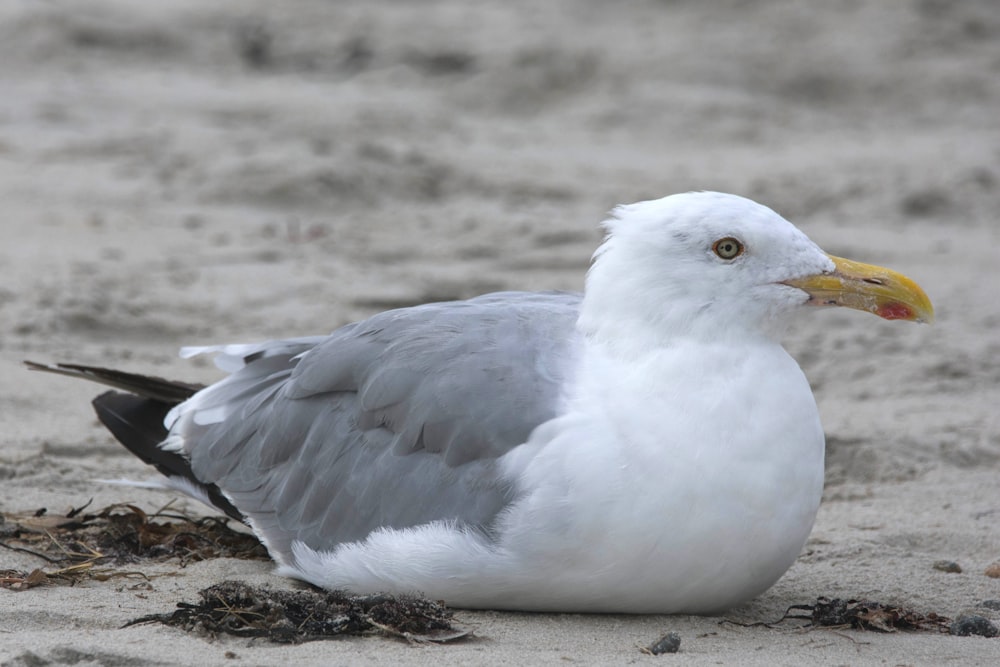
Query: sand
182, 172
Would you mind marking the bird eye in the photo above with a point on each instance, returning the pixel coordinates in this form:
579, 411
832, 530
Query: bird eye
728, 248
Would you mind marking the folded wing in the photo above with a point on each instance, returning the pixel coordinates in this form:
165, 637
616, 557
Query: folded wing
391, 422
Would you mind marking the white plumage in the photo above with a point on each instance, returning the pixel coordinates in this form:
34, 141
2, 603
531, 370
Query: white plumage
685, 467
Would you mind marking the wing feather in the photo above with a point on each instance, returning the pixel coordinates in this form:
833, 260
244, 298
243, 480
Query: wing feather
391, 422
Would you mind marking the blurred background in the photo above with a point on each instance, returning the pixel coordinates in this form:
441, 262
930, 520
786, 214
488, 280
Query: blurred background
182, 172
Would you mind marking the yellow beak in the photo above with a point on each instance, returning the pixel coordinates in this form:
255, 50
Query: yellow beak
877, 290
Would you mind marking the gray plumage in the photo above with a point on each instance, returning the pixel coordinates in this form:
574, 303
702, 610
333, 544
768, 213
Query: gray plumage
394, 421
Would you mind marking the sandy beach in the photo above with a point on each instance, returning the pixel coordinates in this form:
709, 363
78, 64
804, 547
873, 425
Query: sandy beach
182, 173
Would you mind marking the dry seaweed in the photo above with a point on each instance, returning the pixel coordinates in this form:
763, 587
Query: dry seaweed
284, 616
868, 615
118, 534
19, 580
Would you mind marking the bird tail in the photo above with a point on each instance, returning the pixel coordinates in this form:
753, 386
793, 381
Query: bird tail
136, 420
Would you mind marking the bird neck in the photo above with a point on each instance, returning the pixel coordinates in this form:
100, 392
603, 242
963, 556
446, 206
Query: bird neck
626, 314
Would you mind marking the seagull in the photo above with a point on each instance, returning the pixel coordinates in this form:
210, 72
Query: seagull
647, 446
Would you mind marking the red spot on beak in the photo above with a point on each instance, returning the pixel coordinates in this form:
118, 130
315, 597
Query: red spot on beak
895, 311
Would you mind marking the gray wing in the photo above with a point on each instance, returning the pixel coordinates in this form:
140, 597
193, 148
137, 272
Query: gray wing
394, 421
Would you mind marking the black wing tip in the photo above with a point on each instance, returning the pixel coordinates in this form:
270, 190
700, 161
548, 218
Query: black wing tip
135, 419
149, 386
137, 423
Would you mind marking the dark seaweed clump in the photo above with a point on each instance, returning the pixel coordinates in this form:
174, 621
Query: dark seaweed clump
870, 615
288, 616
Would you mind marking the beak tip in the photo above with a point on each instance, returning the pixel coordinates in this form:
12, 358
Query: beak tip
895, 310
886, 293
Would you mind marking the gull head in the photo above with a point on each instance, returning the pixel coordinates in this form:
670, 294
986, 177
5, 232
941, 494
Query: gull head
719, 266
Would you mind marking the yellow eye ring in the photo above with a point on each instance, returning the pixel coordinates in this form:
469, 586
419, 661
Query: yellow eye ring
728, 248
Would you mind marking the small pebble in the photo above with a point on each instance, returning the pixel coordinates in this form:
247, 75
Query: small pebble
993, 570
973, 625
947, 566
668, 643
990, 604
